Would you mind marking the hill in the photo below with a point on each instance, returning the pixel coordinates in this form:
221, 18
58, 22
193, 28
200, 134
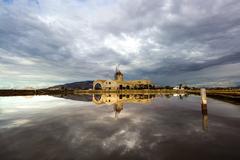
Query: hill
84, 85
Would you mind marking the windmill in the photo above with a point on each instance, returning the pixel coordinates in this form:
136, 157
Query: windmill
117, 67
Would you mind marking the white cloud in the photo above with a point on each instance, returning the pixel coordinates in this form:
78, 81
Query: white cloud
125, 44
82, 40
124, 138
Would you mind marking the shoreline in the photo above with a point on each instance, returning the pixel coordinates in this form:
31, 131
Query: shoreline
13, 92
210, 92
230, 95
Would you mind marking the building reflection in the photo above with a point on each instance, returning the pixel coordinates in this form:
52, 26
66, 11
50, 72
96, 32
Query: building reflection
181, 96
118, 100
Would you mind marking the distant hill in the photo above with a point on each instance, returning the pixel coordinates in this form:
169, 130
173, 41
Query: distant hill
85, 85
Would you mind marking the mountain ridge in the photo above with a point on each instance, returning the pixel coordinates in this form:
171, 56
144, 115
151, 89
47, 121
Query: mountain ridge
84, 85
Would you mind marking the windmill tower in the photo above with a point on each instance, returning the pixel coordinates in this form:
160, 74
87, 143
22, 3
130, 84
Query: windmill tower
118, 74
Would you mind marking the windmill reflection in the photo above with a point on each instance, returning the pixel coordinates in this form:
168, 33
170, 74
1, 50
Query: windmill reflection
118, 100
118, 108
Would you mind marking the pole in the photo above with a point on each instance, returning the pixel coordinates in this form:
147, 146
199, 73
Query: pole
203, 96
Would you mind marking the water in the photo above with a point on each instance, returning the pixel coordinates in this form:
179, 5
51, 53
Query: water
118, 127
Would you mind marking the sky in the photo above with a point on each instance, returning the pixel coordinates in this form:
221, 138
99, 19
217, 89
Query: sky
49, 42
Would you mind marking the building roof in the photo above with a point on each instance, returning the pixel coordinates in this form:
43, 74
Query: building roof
100, 80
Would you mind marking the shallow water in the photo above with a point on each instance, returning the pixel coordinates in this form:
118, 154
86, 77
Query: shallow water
118, 127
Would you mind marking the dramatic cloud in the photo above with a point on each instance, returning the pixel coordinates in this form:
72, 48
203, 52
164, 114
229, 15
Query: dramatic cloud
49, 42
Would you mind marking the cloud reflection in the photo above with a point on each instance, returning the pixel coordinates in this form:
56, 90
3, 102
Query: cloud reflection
77, 130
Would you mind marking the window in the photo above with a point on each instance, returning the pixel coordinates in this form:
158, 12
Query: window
120, 87
98, 86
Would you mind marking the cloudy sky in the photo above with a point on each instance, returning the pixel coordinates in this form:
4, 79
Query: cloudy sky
50, 42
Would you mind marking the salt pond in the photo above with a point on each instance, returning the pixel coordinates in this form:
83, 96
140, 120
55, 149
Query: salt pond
118, 127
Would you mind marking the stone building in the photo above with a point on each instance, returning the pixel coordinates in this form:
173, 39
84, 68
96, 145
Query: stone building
120, 84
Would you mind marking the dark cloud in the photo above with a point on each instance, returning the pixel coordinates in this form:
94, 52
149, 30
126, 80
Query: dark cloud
179, 66
81, 40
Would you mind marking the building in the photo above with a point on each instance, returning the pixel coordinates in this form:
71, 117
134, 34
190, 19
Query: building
179, 87
120, 84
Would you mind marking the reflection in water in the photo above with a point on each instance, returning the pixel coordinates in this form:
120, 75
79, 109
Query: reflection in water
129, 98
83, 97
118, 107
181, 96
204, 117
118, 100
47, 127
